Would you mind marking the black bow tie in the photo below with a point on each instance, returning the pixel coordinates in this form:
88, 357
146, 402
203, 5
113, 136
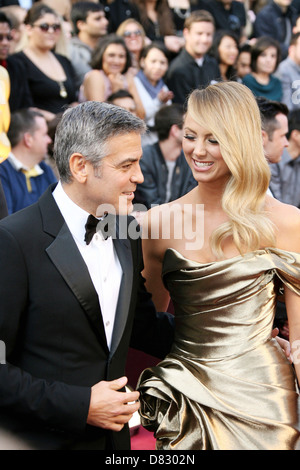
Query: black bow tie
93, 225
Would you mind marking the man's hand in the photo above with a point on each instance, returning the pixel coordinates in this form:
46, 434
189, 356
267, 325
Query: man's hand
109, 408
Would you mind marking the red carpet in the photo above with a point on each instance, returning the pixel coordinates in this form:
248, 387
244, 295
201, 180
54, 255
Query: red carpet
142, 440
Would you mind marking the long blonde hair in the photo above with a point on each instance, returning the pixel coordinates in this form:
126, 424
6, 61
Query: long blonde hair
230, 112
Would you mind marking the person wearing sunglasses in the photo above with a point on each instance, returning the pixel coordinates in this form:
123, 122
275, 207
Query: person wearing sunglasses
135, 39
50, 75
20, 96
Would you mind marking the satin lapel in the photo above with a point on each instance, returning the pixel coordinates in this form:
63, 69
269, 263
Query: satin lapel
123, 250
65, 255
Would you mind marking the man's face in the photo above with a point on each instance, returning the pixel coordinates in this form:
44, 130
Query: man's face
5, 35
199, 38
275, 144
40, 140
115, 181
96, 24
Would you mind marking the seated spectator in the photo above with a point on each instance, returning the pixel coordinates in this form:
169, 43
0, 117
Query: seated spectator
89, 25
110, 72
193, 67
123, 99
276, 20
16, 14
157, 21
167, 175
20, 96
24, 174
225, 50
274, 116
265, 57
135, 39
243, 63
288, 73
50, 76
150, 85
285, 180
228, 14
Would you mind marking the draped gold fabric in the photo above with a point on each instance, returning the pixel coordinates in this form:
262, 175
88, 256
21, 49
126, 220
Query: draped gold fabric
226, 385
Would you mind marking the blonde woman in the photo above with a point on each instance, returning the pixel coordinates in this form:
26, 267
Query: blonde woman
135, 39
226, 385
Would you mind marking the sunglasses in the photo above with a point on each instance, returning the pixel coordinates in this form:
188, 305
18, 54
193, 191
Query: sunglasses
45, 27
127, 34
6, 36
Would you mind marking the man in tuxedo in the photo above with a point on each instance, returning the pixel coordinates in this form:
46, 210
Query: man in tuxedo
71, 303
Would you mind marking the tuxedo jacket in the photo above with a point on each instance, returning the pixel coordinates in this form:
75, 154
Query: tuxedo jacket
51, 324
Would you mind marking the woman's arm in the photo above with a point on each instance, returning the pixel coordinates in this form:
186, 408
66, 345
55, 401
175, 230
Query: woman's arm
153, 253
94, 86
288, 224
292, 301
138, 102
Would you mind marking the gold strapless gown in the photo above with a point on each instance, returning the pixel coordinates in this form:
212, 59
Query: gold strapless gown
226, 385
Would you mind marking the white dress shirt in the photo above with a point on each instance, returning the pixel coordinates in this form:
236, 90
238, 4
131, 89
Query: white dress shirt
100, 257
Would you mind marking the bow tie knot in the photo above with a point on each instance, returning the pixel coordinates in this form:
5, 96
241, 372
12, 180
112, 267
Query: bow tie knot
94, 225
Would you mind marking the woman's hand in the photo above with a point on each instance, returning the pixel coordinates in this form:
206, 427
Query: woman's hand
164, 96
117, 81
284, 344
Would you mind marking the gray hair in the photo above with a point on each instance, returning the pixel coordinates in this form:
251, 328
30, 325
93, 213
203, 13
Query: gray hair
87, 129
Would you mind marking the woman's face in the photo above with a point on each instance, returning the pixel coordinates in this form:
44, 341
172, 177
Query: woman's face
202, 153
114, 59
133, 37
266, 61
228, 51
44, 32
154, 65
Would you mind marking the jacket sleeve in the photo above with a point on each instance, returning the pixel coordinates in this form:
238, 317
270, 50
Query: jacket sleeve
55, 403
153, 332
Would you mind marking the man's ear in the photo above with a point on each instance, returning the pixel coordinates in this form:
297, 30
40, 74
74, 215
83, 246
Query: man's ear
27, 139
78, 167
265, 137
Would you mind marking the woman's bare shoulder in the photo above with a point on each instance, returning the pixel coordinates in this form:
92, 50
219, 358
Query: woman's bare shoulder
286, 220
